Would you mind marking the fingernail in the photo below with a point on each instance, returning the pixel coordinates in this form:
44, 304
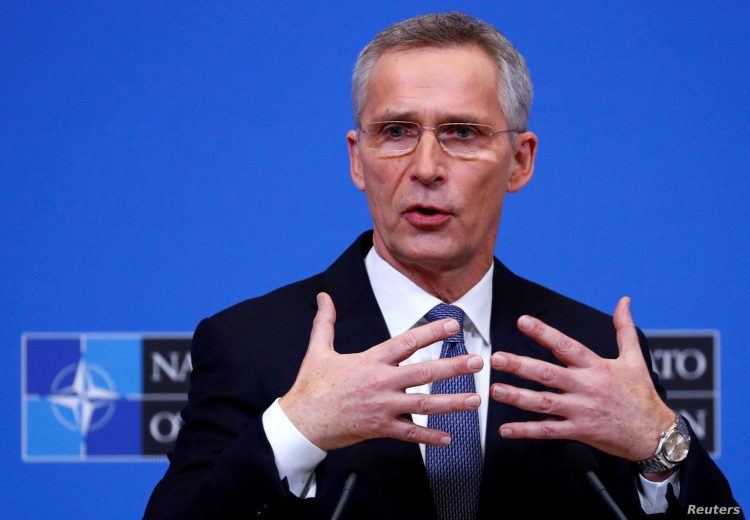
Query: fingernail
445, 441
319, 299
474, 363
499, 392
506, 432
472, 402
499, 361
451, 326
525, 322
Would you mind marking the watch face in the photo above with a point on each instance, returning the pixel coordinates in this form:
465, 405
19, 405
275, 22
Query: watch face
676, 446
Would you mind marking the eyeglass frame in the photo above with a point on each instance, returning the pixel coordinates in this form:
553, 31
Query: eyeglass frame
434, 129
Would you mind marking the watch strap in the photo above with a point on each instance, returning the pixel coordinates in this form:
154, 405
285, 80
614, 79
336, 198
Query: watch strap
659, 462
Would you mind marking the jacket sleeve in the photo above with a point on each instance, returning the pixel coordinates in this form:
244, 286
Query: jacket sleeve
222, 465
702, 484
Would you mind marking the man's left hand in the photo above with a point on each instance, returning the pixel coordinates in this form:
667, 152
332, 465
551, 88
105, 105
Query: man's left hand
610, 404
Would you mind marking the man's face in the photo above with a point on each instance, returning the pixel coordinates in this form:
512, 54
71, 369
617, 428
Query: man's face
433, 211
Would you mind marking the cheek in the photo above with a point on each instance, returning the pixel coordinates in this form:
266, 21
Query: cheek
381, 184
487, 212
487, 198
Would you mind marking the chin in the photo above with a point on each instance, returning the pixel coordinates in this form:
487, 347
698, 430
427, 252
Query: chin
430, 253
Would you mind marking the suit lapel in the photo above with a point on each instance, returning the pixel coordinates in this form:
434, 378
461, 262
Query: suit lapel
510, 299
359, 322
399, 475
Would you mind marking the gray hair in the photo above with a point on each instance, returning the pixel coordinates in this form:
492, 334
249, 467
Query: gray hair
450, 30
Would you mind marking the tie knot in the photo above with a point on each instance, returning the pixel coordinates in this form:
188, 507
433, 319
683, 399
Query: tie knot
443, 310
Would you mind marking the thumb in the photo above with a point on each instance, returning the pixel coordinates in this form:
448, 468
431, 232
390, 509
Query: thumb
321, 336
627, 337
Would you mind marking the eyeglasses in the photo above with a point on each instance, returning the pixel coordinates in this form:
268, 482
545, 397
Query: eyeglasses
401, 137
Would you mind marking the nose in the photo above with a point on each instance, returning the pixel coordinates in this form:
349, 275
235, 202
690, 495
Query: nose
427, 165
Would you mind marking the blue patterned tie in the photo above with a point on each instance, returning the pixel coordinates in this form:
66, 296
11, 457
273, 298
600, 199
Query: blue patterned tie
455, 471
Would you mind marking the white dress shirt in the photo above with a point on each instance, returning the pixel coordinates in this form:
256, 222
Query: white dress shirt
404, 305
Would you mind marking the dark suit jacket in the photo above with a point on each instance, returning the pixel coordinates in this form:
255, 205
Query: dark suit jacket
248, 355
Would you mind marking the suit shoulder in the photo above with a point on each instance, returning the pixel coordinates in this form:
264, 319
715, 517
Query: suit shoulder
581, 322
280, 305
557, 303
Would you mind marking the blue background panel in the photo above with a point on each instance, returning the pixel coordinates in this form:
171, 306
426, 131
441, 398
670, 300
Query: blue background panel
163, 160
46, 436
44, 360
121, 435
121, 358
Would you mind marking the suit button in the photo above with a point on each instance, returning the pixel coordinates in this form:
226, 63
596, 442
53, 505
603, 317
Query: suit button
260, 513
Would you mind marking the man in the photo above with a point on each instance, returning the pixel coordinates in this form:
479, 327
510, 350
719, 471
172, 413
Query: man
448, 385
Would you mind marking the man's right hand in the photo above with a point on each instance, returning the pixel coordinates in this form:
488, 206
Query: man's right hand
342, 399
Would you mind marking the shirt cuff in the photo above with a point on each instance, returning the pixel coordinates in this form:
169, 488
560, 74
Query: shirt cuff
295, 456
653, 495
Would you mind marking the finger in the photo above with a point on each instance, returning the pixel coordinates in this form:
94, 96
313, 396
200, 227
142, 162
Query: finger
404, 430
541, 402
404, 345
546, 429
627, 337
566, 349
532, 369
432, 404
321, 335
418, 374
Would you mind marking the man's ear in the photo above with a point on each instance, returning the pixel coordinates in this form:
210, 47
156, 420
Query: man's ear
524, 155
355, 161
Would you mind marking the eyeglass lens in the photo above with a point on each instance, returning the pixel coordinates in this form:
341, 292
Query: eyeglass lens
400, 136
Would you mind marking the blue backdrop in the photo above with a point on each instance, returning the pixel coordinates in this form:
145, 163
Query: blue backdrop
161, 161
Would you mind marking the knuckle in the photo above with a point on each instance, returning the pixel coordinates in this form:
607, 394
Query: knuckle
411, 342
514, 364
597, 411
587, 427
563, 344
588, 385
547, 374
546, 431
538, 329
371, 423
375, 384
545, 403
425, 374
412, 433
422, 406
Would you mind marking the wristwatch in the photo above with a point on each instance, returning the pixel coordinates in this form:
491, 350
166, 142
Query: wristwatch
673, 447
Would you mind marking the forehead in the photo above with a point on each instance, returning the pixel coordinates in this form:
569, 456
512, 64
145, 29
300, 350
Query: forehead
433, 84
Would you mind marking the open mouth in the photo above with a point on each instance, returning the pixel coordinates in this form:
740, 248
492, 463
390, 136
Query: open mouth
426, 217
426, 209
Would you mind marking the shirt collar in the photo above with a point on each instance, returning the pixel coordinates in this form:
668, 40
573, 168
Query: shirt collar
403, 303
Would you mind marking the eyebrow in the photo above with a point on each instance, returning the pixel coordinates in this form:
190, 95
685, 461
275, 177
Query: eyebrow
446, 117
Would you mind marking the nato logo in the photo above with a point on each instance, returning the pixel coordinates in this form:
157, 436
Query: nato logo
102, 397
688, 365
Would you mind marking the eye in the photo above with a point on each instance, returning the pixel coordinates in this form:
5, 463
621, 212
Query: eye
396, 130
393, 130
460, 131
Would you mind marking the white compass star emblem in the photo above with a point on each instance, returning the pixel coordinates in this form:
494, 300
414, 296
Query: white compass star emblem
83, 397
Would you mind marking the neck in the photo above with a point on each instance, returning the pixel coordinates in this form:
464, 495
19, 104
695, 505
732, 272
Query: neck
445, 282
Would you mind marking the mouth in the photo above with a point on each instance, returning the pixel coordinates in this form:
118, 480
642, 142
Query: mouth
427, 216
